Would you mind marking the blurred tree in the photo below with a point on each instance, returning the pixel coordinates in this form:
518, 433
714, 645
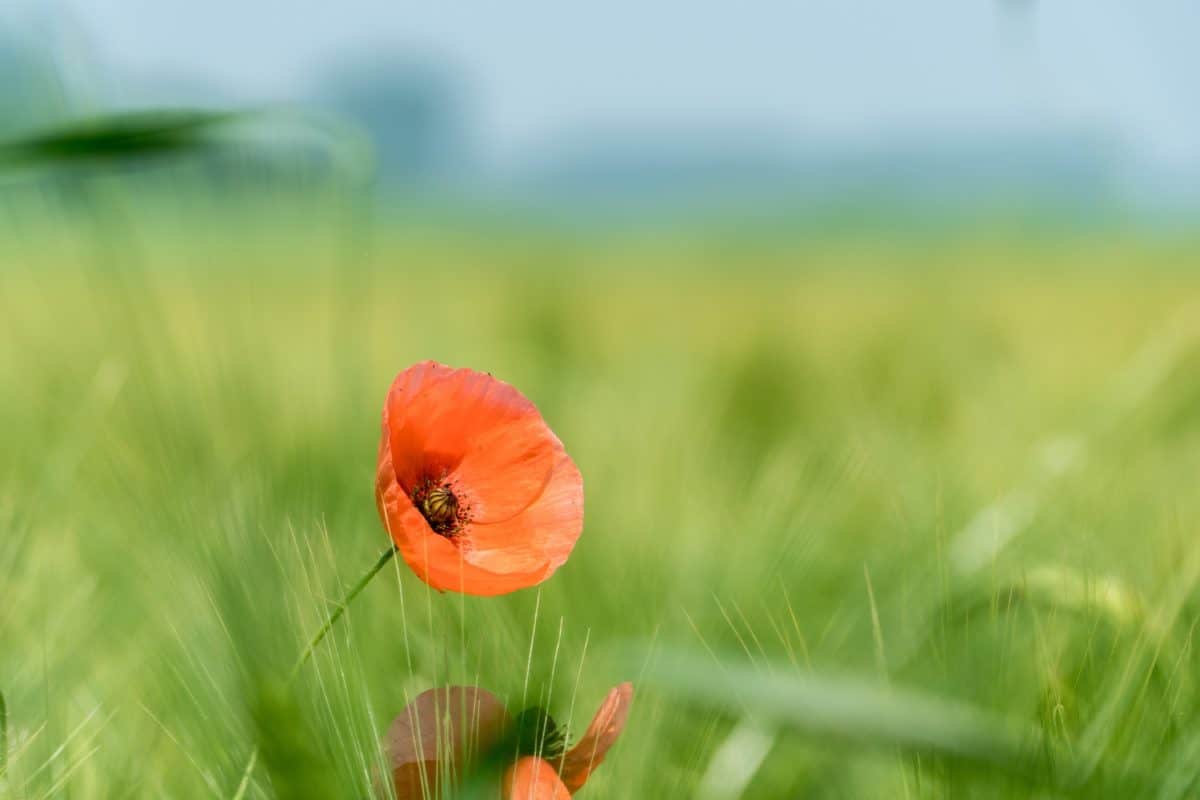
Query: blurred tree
413, 110
32, 95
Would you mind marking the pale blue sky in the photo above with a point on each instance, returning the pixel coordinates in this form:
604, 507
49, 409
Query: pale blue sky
856, 69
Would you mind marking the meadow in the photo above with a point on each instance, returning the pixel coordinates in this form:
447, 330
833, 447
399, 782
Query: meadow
868, 514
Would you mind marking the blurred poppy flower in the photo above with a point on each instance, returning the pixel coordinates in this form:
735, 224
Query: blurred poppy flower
444, 734
474, 488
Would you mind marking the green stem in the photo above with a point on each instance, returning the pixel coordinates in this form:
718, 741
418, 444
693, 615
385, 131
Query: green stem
3, 736
305, 655
340, 609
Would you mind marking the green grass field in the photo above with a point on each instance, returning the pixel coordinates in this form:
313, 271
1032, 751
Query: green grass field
866, 517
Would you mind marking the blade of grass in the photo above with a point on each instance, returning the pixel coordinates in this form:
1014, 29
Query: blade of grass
847, 709
736, 761
884, 717
116, 137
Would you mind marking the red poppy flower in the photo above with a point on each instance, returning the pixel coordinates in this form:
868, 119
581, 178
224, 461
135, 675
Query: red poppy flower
441, 734
474, 488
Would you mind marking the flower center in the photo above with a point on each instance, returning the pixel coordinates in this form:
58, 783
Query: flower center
539, 735
441, 509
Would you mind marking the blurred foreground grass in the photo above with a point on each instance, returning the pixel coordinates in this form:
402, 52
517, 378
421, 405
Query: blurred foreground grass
921, 509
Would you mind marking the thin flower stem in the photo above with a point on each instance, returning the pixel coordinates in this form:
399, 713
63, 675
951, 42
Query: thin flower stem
305, 655
340, 609
3, 736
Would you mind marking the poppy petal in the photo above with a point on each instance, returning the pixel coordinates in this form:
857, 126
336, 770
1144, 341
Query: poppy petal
532, 778
437, 560
414, 780
438, 732
542, 536
481, 432
584, 757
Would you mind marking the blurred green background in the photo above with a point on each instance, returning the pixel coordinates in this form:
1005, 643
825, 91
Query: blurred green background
889, 482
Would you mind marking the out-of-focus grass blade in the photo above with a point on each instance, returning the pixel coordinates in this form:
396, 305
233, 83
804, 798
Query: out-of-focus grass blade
117, 137
736, 761
883, 716
847, 709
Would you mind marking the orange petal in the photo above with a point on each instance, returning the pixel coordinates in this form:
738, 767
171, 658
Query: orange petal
542, 536
439, 561
437, 733
506, 468
483, 433
532, 778
415, 780
606, 726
